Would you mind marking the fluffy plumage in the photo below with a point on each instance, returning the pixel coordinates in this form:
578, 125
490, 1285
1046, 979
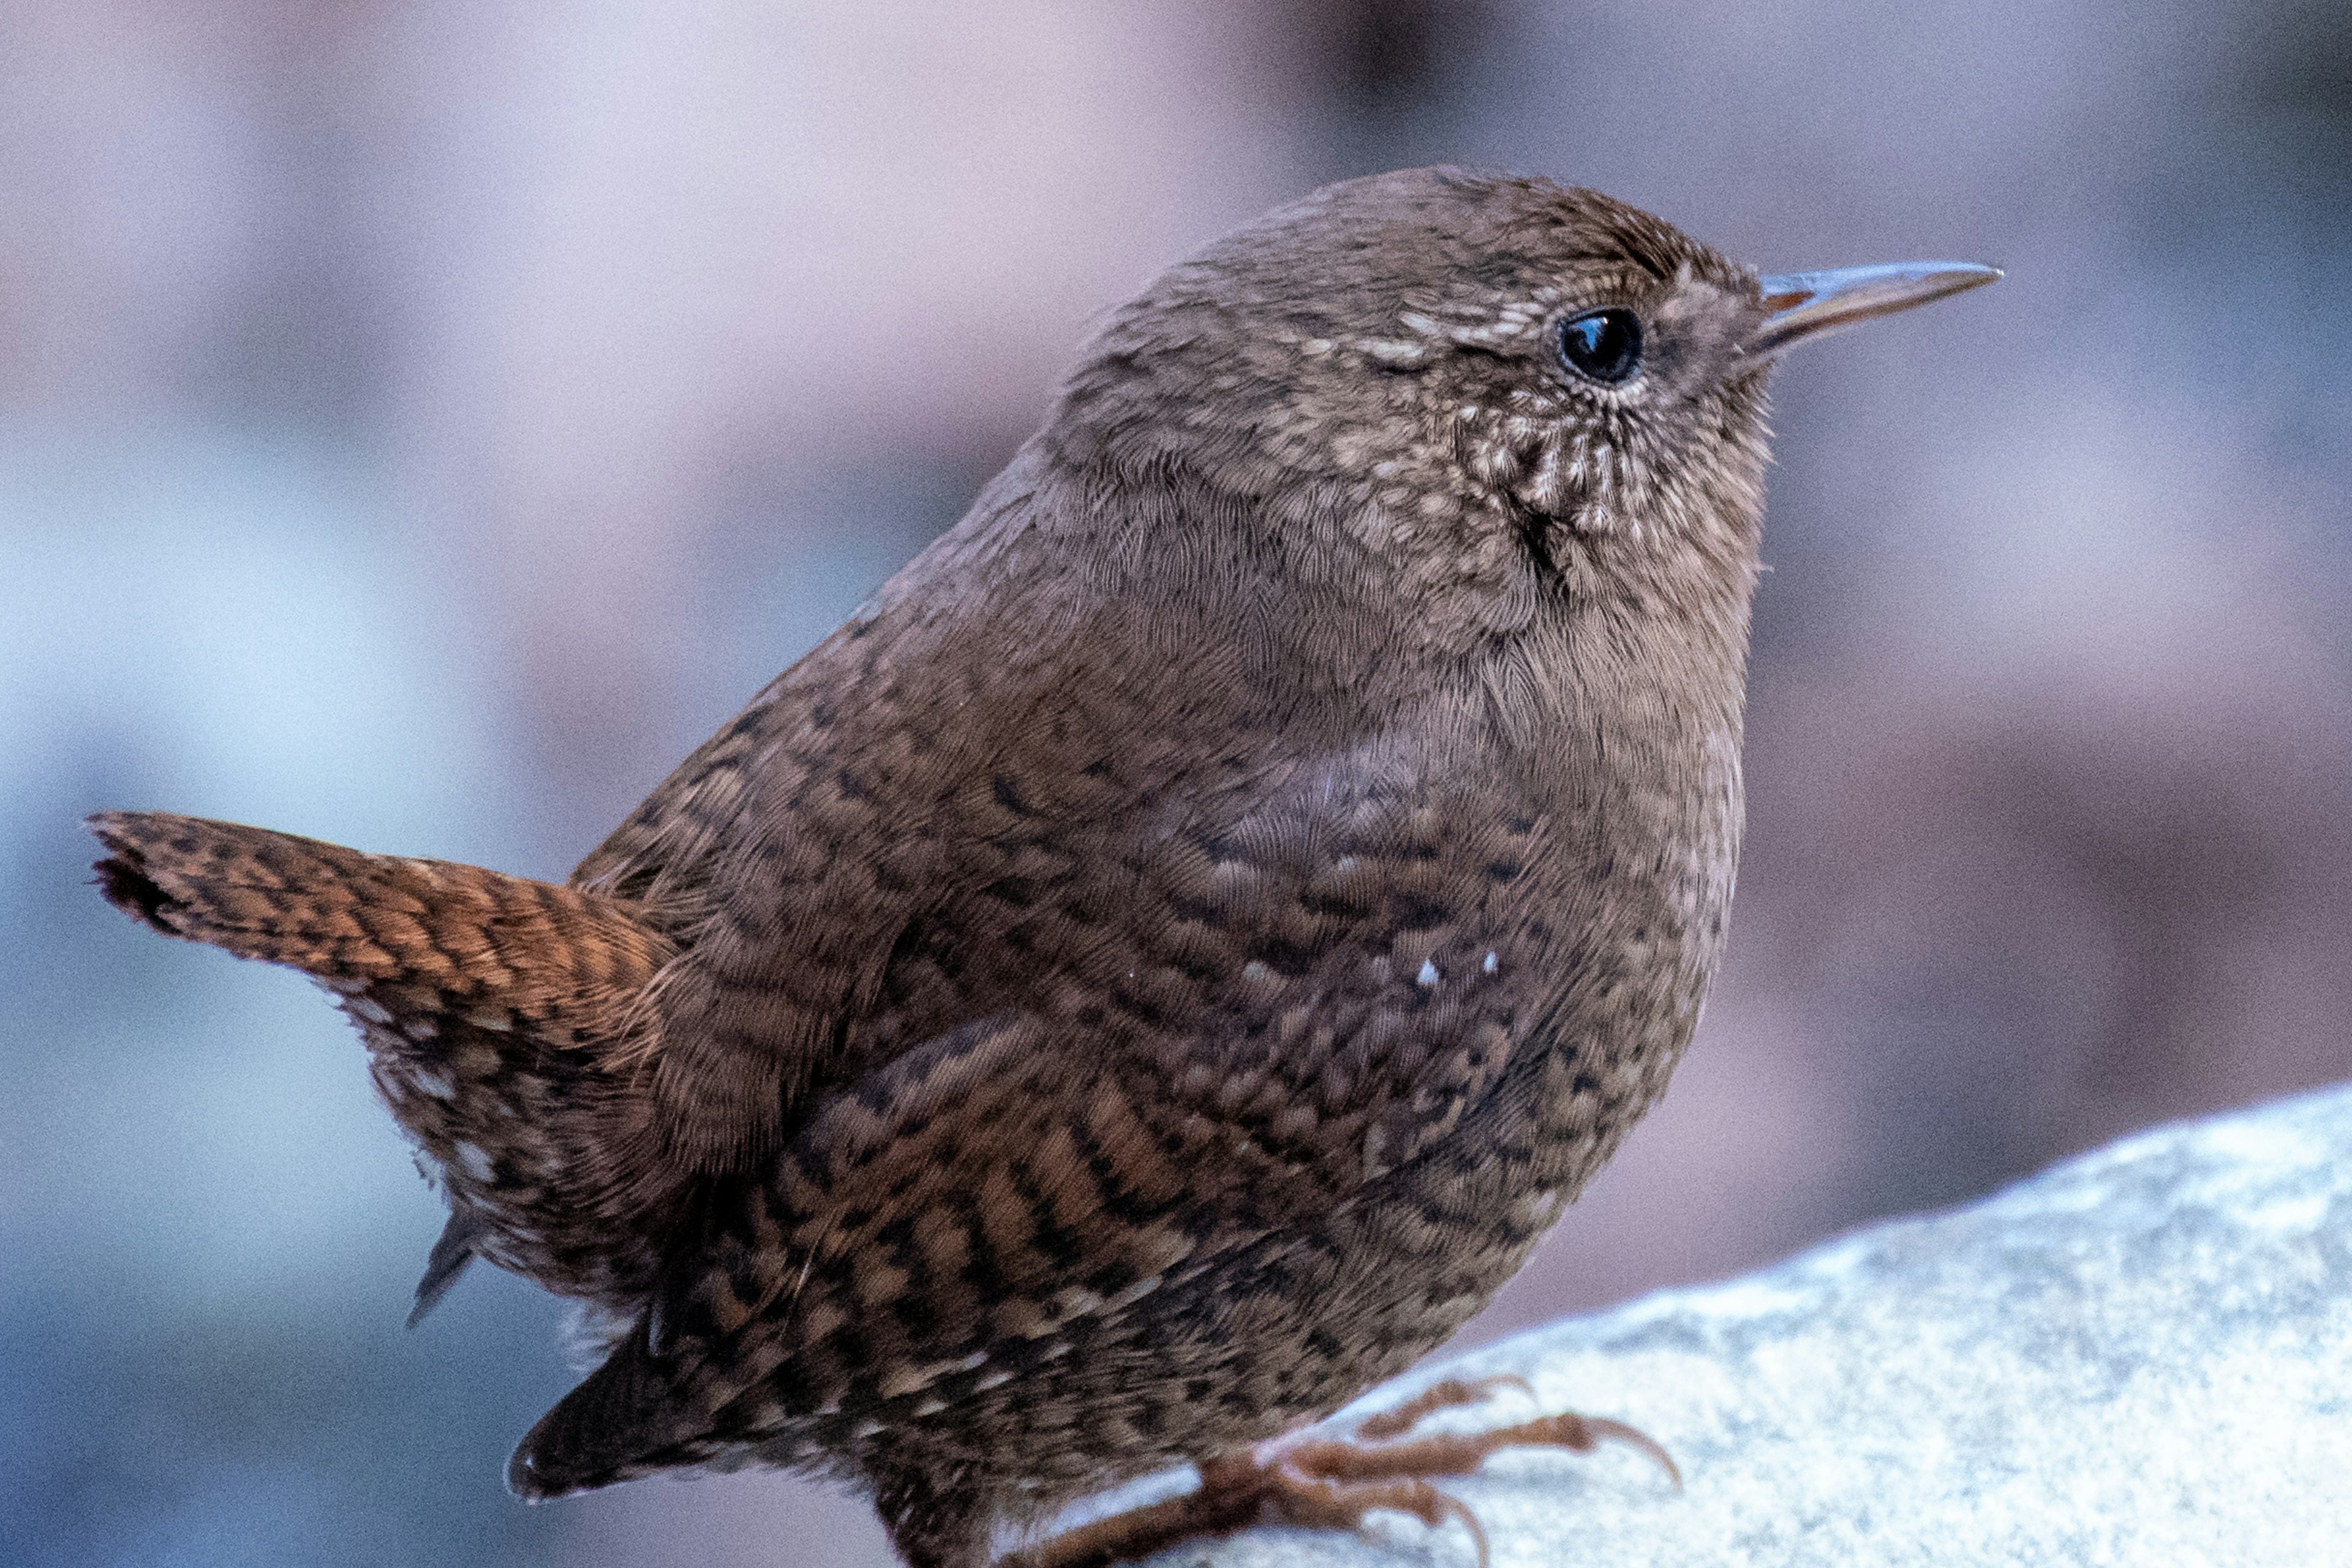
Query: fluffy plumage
1162, 965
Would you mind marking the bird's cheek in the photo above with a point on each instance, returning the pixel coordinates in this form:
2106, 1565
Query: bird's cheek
1560, 480
1575, 481
1530, 463
1497, 458
1546, 485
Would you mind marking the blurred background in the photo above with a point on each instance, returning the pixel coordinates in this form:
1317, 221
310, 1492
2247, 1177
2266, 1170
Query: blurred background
420, 423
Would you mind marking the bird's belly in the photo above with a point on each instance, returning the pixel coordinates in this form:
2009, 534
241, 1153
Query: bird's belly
1290, 1326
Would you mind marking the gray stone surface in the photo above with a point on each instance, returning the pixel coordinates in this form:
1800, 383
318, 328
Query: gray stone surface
2143, 1356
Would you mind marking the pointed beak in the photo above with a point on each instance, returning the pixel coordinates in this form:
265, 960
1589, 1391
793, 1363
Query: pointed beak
1812, 304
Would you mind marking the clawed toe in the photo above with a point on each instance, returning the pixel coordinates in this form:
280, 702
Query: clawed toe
1448, 1394
1342, 1505
1332, 1483
1455, 1455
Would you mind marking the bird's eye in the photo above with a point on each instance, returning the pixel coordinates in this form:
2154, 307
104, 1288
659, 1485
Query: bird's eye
1602, 345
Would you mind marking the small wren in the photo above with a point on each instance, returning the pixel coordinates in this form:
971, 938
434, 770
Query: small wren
1162, 965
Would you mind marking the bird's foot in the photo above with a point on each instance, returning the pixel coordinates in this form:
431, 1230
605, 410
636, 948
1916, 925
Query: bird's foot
1332, 1483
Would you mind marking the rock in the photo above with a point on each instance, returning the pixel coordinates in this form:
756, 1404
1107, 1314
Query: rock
2143, 1355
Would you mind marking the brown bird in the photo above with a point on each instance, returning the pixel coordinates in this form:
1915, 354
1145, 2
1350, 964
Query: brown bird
1160, 967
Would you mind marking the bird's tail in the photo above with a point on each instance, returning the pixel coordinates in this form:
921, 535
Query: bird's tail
501, 1014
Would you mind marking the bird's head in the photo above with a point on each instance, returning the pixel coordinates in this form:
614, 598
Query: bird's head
1490, 390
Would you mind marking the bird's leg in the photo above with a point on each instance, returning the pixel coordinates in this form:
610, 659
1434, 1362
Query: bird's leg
1333, 1483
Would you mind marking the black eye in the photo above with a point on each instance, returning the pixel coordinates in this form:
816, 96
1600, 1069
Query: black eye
1603, 345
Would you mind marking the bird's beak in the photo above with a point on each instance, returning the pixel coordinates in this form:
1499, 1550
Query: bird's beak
1811, 304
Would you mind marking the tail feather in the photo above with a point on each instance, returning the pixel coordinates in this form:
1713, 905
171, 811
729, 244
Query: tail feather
450, 1254
602, 1432
498, 1013
525, 948
642, 1412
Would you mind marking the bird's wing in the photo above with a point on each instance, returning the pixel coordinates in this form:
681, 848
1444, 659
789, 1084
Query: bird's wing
783, 858
1260, 1020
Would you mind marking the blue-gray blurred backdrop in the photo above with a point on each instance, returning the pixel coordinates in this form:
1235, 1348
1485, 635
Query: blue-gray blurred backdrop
420, 424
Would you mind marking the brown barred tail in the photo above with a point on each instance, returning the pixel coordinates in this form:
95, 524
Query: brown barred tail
498, 1011
473, 937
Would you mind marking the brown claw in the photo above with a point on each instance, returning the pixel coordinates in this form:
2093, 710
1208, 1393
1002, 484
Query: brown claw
1633, 1437
1451, 1393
